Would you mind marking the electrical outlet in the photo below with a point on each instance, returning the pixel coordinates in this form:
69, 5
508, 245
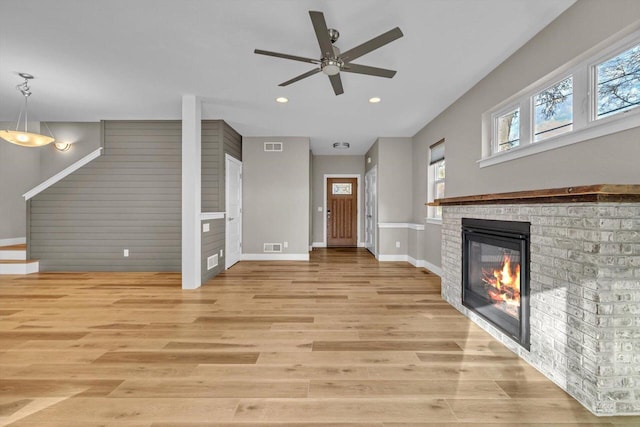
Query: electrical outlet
285, 244
126, 253
398, 244
205, 227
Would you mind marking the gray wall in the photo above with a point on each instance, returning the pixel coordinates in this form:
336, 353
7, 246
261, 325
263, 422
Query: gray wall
372, 154
19, 173
275, 195
211, 243
128, 198
352, 165
395, 185
609, 159
218, 139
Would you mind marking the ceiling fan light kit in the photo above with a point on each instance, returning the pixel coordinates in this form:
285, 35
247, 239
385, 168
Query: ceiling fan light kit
332, 62
23, 137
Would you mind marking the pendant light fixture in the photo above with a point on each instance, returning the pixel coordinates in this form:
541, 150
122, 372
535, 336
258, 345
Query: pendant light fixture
22, 136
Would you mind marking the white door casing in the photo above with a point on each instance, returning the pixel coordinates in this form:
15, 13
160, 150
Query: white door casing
370, 211
233, 209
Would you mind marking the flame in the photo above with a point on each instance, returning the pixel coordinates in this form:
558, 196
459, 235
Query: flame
504, 286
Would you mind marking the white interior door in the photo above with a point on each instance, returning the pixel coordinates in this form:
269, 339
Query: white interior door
370, 211
233, 208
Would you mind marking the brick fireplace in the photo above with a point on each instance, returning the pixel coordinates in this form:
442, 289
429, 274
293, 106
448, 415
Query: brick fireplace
584, 302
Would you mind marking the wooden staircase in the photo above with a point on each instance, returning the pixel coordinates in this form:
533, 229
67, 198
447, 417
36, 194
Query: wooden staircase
13, 260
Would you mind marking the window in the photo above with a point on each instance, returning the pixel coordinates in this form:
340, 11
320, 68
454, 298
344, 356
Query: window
593, 95
508, 130
553, 110
341, 188
618, 83
435, 179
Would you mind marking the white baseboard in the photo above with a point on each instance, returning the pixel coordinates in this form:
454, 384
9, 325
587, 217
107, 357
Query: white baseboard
361, 245
275, 257
14, 241
388, 258
431, 267
421, 263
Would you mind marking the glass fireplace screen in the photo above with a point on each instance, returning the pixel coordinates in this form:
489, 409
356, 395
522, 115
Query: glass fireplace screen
494, 275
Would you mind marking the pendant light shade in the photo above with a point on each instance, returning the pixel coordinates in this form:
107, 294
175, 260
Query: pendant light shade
22, 136
26, 139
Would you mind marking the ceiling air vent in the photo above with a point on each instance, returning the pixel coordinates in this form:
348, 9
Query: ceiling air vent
273, 247
273, 146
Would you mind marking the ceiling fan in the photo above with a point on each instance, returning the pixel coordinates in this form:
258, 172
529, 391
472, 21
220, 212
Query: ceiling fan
332, 61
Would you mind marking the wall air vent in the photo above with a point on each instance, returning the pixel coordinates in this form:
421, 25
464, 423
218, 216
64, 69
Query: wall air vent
273, 247
212, 261
273, 146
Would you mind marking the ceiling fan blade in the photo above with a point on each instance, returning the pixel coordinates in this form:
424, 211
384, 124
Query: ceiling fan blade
322, 33
365, 69
300, 77
372, 44
336, 82
286, 56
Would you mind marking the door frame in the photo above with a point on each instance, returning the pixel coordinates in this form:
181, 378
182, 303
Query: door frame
359, 242
228, 158
372, 172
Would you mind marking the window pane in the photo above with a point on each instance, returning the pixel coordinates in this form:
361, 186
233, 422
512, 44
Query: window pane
344, 188
508, 130
439, 191
553, 110
618, 83
439, 170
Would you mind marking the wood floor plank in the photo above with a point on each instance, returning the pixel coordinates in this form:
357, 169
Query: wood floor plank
178, 357
210, 388
410, 388
341, 340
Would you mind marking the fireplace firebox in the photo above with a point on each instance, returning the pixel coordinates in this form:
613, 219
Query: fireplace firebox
495, 274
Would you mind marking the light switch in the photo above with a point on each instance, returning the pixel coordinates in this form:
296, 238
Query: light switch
319, 208
205, 227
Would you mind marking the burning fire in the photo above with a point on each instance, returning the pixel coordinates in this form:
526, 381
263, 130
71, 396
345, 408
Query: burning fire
504, 286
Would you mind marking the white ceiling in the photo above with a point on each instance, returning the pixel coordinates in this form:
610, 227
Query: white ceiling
124, 59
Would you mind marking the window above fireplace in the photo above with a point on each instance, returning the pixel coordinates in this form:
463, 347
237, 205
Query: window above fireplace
593, 95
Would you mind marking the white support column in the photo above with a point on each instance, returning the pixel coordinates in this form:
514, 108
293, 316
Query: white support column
191, 195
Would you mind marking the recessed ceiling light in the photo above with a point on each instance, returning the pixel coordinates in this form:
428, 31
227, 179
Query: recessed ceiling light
374, 100
341, 145
282, 100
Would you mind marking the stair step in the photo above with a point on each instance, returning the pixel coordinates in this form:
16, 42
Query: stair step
20, 247
13, 252
19, 266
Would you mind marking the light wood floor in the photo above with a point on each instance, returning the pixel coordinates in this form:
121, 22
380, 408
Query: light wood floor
341, 340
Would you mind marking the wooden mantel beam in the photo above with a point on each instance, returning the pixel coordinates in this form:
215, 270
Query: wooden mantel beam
586, 193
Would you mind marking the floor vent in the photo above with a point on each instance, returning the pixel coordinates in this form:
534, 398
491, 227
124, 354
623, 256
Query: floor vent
273, 146
212, 261
273, 247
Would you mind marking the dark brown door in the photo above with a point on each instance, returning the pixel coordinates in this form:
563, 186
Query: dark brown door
342, 207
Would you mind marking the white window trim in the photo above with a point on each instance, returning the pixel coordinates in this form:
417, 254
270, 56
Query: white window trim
431, 217
585, 125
